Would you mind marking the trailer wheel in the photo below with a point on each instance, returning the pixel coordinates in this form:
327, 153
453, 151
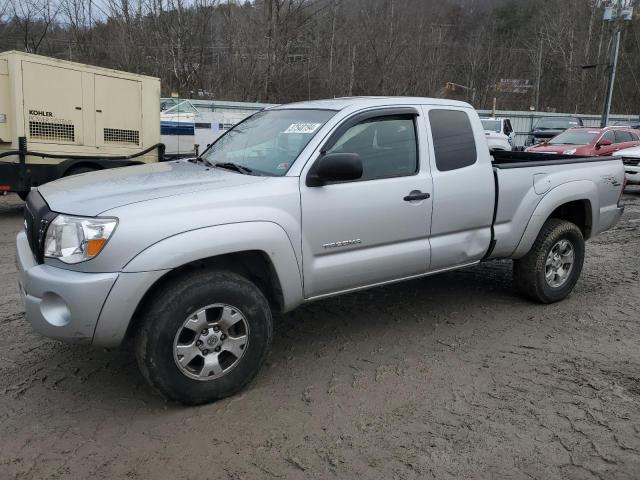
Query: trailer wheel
552, 267
79, 170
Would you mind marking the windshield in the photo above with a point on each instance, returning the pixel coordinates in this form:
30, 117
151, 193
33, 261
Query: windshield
556, 123
492, 125
574, 137
269, 141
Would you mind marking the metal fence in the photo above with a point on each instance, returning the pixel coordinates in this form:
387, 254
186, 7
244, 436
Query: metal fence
523, 121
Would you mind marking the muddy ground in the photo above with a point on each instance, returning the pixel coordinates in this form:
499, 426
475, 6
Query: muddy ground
447, 377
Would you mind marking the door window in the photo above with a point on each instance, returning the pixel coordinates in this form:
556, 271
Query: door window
386, 145
453, 141
609, 136
507, 127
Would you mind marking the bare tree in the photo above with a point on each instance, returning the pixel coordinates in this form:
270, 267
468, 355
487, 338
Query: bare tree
283, 50
35, 18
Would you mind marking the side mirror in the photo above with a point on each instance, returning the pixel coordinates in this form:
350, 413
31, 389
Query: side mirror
603, 143
335, 167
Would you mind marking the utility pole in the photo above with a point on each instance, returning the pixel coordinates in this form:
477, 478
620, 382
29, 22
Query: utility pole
616, 12
538, 75
615, 49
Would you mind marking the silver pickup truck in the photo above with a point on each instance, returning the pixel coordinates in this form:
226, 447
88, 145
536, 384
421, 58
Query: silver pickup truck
189, 259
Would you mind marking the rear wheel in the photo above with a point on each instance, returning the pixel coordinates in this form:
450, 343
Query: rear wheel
204, 337
552, 267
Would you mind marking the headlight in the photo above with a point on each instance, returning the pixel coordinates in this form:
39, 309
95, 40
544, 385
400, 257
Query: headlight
76, 239
571, 151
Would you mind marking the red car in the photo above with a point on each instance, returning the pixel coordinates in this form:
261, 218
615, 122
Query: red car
590, 142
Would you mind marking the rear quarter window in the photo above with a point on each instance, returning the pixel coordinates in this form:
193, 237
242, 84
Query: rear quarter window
623, 137
454, 144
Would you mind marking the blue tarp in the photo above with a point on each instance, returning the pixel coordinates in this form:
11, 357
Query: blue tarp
176, 128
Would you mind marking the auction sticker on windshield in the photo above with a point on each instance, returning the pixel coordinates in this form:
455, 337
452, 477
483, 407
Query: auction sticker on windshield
302, 128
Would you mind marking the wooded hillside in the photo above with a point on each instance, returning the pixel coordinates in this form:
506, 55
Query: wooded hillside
284, 50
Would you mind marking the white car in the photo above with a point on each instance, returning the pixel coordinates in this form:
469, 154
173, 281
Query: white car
631, 159
499, 133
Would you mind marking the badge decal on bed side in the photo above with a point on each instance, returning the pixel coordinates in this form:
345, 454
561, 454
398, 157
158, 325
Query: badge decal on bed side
612, 180
342, 243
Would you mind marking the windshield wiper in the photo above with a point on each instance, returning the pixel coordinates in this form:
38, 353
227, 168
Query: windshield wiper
235, 167
200, 159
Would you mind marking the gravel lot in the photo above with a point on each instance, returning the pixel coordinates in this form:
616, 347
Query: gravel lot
452, 376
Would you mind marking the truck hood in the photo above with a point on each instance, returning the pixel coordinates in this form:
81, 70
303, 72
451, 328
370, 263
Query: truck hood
93, 193
629, 152
546, 133
494, 134
582, 150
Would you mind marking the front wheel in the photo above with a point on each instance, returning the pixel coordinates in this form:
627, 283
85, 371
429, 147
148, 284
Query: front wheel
552, 267
204, 337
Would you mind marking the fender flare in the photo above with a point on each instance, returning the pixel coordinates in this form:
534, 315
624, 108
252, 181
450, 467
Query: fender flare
579, 190
267, 237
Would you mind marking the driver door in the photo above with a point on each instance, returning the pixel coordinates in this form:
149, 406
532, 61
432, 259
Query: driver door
371, 230
606, 150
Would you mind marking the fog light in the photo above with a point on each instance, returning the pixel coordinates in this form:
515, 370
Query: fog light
55, 310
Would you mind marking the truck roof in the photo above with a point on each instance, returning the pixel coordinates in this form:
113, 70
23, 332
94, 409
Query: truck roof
372, 101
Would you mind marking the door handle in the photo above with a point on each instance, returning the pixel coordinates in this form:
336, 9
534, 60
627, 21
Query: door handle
416, 195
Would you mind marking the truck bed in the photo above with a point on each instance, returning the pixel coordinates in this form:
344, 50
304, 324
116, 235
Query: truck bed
526, 181
504, 159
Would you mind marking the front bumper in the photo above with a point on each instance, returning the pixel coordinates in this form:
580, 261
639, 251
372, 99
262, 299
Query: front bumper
59, 303
632, 174
79, 307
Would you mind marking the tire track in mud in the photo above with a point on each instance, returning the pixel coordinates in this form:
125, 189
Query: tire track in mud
451, 376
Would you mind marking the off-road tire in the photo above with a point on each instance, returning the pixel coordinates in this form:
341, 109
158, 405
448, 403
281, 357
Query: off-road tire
164, 316
529, 271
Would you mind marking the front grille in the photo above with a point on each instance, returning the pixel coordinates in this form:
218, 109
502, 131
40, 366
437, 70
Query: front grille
37, 216
631, 161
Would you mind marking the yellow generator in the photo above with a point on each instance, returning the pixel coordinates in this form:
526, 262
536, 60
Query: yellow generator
60, 118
